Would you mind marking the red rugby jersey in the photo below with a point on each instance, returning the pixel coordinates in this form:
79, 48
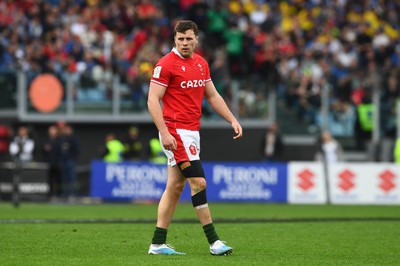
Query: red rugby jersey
185, 80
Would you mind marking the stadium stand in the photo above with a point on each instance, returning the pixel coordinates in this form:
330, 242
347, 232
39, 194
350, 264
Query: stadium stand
292, 47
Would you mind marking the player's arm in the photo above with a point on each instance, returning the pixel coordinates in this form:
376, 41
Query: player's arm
156, 93
219, 106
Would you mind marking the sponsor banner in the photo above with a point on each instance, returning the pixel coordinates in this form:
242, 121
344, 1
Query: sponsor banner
306, 183
32, 179
127, 180
225, 181
361, 183
246, 181
26, 188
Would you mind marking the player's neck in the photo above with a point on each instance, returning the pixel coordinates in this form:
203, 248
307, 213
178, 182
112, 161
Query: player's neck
180, 55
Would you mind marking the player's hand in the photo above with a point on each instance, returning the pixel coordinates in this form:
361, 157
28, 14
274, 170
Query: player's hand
168, 142
238, 130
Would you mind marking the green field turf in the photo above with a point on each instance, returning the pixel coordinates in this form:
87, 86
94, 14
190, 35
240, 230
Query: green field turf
262, 234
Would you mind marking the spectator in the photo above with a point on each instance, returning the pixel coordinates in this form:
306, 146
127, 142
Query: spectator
51, 155
329, 150
396, 151
69, 151
364, 122
272, 144
113, 150
133, 146
217, 23
157, 154
22, 146
4, 142
84, 38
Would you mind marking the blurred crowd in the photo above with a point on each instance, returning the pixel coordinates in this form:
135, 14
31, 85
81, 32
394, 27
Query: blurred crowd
294, 47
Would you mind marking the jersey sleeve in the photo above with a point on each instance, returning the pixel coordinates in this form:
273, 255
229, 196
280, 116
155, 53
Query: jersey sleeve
208, 74
162, 73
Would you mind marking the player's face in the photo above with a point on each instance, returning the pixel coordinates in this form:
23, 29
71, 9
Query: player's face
185, 43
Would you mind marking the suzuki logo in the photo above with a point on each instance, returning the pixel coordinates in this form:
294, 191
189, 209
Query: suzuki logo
387, 181
306, 182
346, 180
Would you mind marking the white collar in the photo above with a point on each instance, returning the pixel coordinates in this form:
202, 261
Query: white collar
177, 53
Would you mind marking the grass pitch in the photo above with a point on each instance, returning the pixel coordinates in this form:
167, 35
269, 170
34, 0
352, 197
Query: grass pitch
261, 234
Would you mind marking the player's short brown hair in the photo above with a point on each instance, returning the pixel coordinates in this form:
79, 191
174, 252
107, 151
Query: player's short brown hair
184, 25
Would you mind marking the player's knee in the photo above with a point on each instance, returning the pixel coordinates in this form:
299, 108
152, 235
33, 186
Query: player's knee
191, 169
199, 184
199, 200
176, 188
179, 187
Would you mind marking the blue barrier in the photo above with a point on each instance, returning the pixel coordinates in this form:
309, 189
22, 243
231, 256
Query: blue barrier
226, 181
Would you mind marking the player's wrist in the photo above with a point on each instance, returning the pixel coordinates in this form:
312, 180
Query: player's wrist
164, 132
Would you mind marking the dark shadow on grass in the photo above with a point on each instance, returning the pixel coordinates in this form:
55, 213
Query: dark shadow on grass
195, 221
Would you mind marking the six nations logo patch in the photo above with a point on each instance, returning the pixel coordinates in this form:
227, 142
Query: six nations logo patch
157, 72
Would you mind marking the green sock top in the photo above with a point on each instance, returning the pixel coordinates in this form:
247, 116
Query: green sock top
160, 236
210, 232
